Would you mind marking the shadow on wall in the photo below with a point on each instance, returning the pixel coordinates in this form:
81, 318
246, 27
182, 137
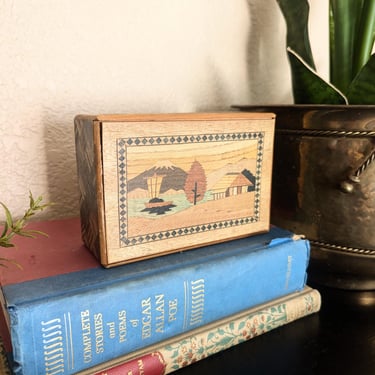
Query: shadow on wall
269, 72
61, 168
216, 90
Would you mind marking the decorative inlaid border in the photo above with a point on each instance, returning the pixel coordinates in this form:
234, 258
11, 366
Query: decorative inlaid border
124, 143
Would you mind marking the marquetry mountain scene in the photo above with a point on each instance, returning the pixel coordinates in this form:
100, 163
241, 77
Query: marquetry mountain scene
175, 196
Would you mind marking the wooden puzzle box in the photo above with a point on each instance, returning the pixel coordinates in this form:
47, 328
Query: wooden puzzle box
156, 184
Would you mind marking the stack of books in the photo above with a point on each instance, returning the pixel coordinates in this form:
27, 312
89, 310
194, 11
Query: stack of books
64, 313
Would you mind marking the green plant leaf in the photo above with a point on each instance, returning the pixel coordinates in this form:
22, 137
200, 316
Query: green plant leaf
31, 200
296, 15
5, 230
18, 228
6, 243
309, 87
9, 261
8, 215
365, 35
344, 18
31, 233
362, 89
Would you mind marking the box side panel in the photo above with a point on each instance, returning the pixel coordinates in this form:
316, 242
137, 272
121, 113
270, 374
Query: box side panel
88, 160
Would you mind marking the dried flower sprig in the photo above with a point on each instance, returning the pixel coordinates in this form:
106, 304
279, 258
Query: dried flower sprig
17, 227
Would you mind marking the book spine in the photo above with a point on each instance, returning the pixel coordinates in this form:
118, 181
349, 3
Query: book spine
73, 331
189, 349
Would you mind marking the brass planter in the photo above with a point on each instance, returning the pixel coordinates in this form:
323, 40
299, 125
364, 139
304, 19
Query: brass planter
324, 187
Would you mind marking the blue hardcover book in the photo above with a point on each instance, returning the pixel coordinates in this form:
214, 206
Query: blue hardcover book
82, 315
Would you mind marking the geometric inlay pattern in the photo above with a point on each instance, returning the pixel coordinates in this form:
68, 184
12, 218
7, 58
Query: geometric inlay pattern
123, 144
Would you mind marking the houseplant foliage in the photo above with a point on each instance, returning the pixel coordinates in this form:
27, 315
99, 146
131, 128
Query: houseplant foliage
324, 150
352, 67
18, 227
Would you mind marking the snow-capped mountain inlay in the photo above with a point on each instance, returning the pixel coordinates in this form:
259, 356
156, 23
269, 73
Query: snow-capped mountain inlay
173, 177
164, 164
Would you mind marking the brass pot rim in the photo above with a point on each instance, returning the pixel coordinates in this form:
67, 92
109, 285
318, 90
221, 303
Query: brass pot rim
320, 117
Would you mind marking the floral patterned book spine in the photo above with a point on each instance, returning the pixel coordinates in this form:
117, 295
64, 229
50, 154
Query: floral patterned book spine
184, 350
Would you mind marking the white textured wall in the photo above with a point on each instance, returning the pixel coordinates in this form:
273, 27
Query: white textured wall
59, 58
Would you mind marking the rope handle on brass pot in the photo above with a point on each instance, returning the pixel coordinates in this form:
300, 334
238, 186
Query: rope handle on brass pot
347, 186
